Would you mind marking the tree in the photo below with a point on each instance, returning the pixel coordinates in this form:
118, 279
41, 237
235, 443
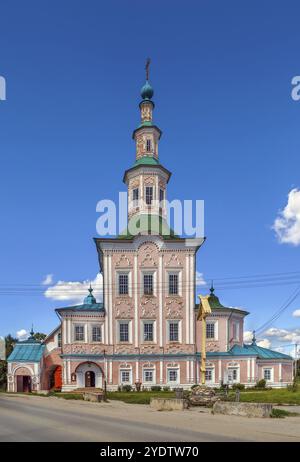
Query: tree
9, 346
39, 336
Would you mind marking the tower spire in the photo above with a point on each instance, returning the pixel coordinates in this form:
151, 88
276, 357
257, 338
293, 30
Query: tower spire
147, 68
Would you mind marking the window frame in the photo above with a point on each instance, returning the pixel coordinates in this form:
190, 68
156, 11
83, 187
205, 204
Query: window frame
129, 371
149, 204
170, 274
120, 275
152, 370
96, 326
148, 274
271, 370
128, 322
83, 332
153, 323
171, 369
148, 145
178, 323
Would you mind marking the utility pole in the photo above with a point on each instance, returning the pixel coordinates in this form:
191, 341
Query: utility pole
295, 362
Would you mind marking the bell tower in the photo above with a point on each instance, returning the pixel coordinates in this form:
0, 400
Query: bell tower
147, 179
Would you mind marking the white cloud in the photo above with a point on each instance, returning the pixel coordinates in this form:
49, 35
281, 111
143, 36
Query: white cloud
200, 281
287, 223
22, 334
248, 336
48, 280
264, 343
74, 290
296, 313
283, 335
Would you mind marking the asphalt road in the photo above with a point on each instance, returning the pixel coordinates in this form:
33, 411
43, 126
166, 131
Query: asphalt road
28, 418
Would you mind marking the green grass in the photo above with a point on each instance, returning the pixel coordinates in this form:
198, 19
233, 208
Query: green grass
142, 397
282, 413
276, 396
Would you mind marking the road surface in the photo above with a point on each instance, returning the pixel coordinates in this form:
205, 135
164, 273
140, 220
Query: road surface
33, 418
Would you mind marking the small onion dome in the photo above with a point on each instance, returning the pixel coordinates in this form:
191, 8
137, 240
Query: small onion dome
90, 299
147, 91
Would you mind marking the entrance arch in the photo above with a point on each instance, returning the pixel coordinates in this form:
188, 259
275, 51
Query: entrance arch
88, 375
23, 377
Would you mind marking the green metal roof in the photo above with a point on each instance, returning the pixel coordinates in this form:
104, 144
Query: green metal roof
260, 352
27, 351
146, 224
146, 160
83, 307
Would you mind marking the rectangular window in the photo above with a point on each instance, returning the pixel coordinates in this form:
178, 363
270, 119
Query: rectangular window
174, 331
125, 376
267, 374
148, 375
96, 334
173, 375
148, 332
173, 284
135, 197
59, 340
148, 145
149, 195
124, 331
123, 284
210, 330
79, 333
148, 284
161, 195
208, 375
232, 375
236, 331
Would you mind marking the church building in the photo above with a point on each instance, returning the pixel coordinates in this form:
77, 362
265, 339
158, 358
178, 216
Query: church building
146, 329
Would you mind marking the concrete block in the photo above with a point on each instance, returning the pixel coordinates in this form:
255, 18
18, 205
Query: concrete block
94, 397
171, 404
243, 409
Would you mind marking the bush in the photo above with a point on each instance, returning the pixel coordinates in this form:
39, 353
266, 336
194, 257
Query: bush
126, 388
238, 386
261, 384
292, 387
156, 388
166, 389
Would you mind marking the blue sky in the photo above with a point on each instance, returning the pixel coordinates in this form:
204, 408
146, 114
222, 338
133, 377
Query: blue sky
222, 75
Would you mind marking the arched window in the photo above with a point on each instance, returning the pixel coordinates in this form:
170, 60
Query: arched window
148, 145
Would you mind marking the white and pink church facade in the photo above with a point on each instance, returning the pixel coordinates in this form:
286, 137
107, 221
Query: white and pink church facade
146, 330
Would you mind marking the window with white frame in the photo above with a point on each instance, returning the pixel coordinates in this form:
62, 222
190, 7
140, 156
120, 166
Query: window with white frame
161, 195
123, 284
173, 375
173, 283
174, 331
268, 374
209, 374
149, 195
59, 339
124, 331
148, 145
79, 333
96, 334
233, 374
125, 376
236, 331
148, 331
135, 197
148, 284
148, 375
210, 330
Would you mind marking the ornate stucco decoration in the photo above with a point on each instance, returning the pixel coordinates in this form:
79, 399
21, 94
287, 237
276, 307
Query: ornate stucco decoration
148, 308
148, 254
173, 261
123, 261
212, 346
124, 308
174, 308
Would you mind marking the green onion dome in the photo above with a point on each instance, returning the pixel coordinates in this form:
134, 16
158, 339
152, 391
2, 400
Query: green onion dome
147, 91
